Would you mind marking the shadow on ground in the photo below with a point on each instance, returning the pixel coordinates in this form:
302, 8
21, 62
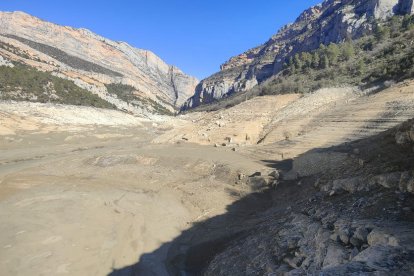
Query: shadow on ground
195, 247
193, 250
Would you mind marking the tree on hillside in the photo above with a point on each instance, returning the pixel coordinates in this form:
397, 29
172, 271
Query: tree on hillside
361, 68
348, 51
333, 53
297, 62
324, 62
306, 58
381, 32
316, 60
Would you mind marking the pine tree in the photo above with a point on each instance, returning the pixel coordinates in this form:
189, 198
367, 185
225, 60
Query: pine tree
348, 51
361, 67
316, 60
324, 63
298, 62
333, 53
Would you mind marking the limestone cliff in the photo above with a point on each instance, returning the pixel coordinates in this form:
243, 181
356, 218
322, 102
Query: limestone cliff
93, 61
332, 21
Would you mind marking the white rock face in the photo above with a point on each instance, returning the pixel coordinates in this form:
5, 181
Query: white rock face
5, 62
81, 54
331, 21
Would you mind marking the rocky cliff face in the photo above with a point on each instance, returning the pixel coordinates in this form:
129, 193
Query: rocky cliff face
332, 21
93, 61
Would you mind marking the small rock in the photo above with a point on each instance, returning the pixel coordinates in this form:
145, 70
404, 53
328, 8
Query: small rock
294, 262
275, 174
234, 149
224, 145
402, 138
332, 193
404, 181
411, 134
355, 242
361, 162
361, 234
334, 237
335, 255
274, 183
216, 145
410, 186
344, 236
260, 181
389, 180
220, 124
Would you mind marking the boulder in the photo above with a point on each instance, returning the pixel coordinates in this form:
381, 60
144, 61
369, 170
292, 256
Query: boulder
275, 174
361, 233
258, 182
389, 180
381, 237
335, 255
350, 185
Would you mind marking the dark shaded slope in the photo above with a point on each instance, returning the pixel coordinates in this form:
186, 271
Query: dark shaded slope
354, 216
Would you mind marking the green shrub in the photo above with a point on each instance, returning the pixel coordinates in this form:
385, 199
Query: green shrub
127, 94
24, 83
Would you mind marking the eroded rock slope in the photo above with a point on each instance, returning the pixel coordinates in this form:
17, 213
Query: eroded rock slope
93, 62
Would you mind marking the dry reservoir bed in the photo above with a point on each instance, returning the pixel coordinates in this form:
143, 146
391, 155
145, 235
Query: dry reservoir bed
84, 202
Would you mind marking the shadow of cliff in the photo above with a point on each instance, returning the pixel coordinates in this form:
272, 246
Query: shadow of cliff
190, 252
195, 247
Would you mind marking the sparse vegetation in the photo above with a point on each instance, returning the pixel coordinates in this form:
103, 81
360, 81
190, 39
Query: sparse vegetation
130, 95
385, 54
24, 83
371, 59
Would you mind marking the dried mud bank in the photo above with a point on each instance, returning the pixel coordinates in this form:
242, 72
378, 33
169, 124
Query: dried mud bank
87, 198
350, 215
88, 191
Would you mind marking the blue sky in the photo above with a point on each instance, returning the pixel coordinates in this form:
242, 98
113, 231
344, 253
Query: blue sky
195, 35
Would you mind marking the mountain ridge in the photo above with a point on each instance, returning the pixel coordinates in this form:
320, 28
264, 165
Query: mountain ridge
329, 22
95, 61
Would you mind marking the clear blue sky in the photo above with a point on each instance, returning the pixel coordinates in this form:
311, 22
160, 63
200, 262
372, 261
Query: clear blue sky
195, 35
